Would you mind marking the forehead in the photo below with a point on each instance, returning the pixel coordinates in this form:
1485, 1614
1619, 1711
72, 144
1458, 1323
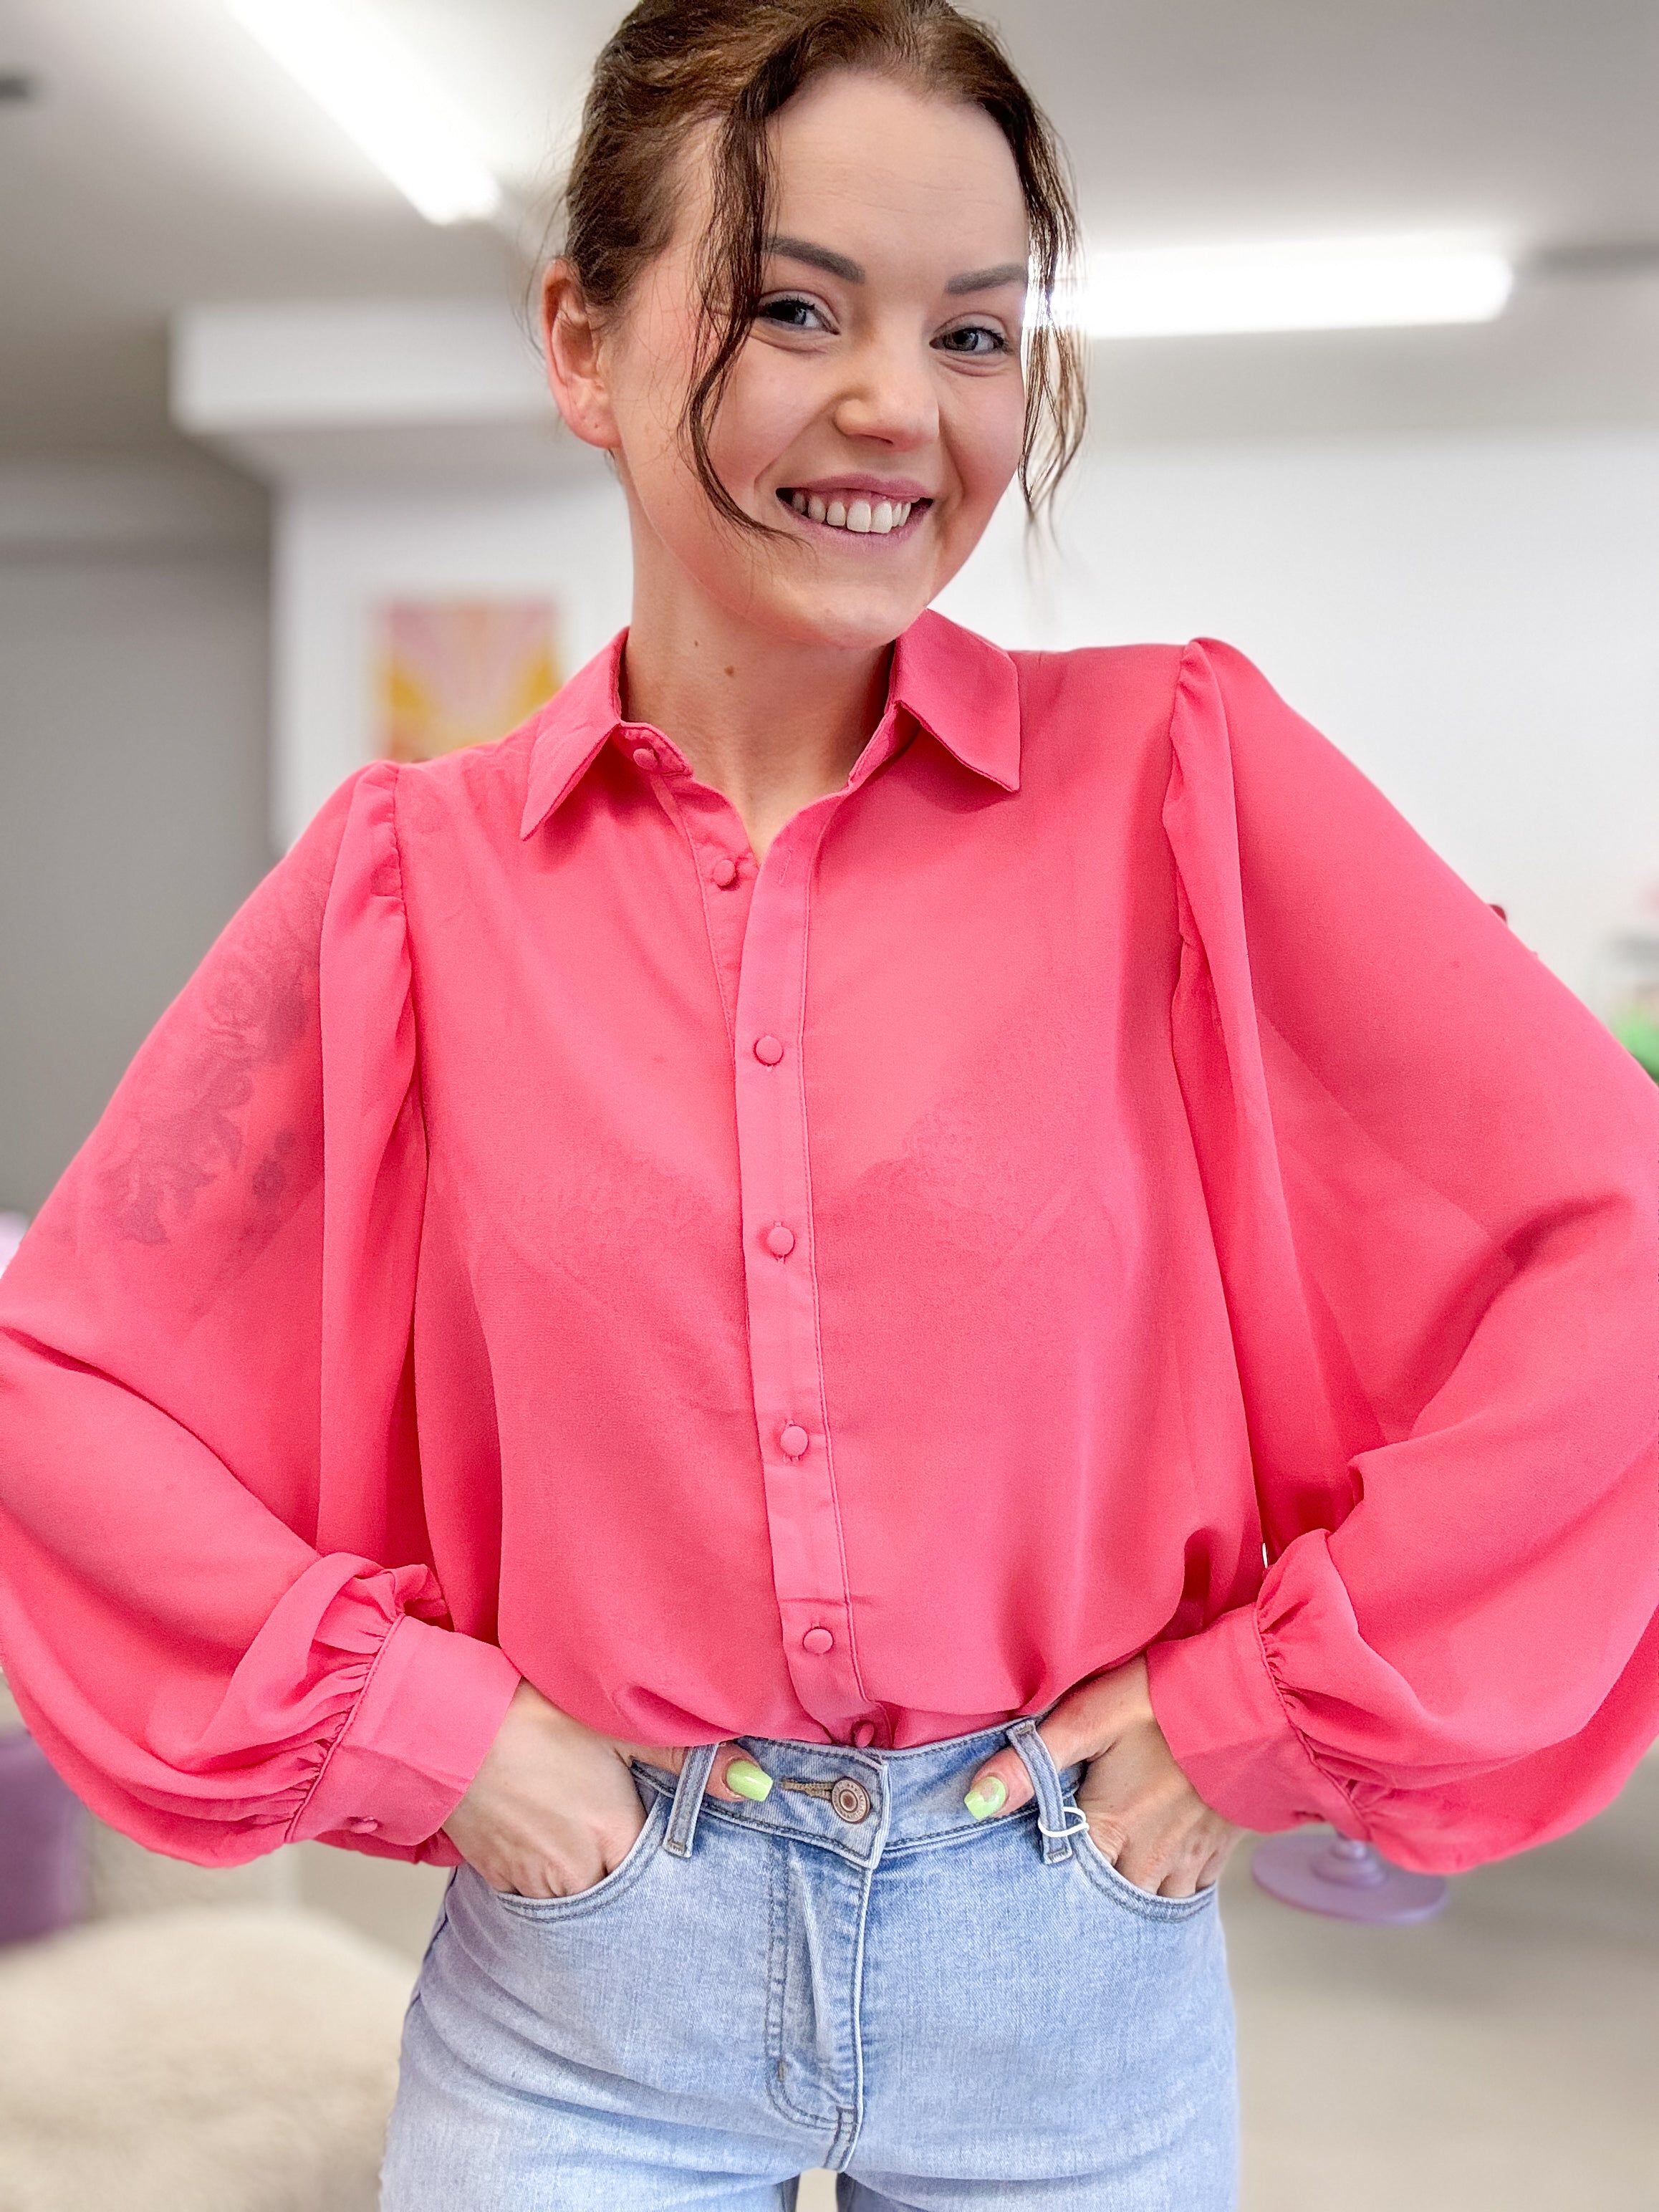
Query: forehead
897, 177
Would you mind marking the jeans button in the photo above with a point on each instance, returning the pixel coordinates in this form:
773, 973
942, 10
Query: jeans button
850, 1799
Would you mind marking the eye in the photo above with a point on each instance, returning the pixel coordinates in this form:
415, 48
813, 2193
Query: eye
974, 341
789, 311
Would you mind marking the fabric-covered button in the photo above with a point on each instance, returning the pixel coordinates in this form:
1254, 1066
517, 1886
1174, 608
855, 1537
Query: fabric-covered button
768, 1051
850, 1799
724, 873
817, 1639
364, 1827
779, 1240
864, 1732
793, 1439
644, 756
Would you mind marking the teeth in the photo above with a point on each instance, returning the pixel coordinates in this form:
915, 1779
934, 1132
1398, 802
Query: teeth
870, 518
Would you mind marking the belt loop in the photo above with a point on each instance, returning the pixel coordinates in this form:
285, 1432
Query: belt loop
687, 1798
1054, 1824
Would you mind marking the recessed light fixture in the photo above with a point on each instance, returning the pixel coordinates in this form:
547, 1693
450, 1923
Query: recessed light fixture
359, 72
1326, 284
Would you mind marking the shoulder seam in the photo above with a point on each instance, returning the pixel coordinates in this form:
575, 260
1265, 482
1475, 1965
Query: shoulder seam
394, 782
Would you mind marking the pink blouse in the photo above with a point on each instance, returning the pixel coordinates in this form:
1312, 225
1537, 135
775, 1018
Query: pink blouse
1102, 1186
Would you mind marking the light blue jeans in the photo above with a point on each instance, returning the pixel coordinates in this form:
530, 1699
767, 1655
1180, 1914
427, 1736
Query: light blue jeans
854, 1974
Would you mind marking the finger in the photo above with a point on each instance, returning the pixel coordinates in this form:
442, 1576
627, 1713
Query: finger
1145, 1869
1179, 1864
1187, 1864
1214, 1866
738, 1778
1001, 1785
1143, 1851
753, 1785
1080, 1727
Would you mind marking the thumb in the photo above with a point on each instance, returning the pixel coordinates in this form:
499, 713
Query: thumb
734, 1777
1001, 1785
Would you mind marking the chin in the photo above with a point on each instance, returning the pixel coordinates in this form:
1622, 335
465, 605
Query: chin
853, 624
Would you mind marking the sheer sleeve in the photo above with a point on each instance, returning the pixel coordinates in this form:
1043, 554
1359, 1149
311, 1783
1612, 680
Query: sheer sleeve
216, 1609
1434, 1183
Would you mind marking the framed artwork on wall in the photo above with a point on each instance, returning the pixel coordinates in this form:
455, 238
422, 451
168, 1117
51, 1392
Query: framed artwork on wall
462, 671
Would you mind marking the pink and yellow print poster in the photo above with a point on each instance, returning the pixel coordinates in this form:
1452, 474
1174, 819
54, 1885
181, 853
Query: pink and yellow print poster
454, 672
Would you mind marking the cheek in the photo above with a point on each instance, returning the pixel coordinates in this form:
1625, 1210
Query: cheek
990, 437
768, 404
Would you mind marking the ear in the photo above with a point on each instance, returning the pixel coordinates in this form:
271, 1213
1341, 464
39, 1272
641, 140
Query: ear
570, 346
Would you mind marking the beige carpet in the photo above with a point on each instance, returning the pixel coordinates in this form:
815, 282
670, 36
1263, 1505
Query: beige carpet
217, 2058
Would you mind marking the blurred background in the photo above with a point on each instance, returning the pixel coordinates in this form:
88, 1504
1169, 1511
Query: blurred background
280, 491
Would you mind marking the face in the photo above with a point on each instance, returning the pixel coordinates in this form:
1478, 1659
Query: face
876, 413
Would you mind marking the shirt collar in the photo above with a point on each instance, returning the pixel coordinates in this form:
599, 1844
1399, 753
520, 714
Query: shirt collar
963, 690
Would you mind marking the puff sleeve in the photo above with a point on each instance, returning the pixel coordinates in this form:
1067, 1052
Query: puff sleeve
218, 1609
1434, 1183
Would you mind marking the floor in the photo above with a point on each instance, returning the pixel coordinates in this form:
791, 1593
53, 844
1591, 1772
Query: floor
1501, 2059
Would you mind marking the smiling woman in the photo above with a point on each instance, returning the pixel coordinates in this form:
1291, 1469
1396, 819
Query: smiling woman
723, 76
825, 1316
865, 428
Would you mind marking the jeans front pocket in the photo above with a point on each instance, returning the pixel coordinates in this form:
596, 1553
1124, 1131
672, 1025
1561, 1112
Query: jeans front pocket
1100, 1870
1058, 1790
607, 1888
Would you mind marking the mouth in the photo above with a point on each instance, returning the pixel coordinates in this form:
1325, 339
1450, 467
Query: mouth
860, 514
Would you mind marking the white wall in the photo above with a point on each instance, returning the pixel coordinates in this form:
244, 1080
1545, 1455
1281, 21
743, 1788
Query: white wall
337, 553
134, 676
1474, 621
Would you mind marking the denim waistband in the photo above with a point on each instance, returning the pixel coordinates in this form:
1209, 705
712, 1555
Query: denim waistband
865, 1804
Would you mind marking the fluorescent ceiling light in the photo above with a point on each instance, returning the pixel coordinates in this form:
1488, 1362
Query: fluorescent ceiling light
1330, 284
363, 75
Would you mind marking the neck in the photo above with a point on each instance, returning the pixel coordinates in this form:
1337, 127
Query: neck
769, 723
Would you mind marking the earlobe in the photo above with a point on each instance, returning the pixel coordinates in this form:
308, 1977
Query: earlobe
571, 353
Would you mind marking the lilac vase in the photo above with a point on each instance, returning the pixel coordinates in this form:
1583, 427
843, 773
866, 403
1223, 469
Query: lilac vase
1345, 1879
42, 1844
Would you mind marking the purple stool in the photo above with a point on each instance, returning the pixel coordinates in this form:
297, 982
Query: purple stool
43, 1875
1346, 1880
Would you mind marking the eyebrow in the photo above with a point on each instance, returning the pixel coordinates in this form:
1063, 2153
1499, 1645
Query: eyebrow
987, 279
852, 272
817, 256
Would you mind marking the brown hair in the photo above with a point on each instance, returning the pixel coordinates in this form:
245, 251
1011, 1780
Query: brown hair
673, 65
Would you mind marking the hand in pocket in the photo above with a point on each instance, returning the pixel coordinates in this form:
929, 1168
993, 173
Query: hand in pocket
553, 1807
1143, 1812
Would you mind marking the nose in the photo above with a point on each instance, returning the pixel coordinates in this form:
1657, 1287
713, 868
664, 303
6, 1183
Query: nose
890, 398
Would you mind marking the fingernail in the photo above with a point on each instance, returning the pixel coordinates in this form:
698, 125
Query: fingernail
749, 1780
987, 1797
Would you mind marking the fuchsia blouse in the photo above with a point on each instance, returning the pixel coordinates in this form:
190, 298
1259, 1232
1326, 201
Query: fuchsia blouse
1102, 1186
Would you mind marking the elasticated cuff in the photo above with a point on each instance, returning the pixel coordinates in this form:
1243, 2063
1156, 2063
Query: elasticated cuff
1224, 1721
416, 1738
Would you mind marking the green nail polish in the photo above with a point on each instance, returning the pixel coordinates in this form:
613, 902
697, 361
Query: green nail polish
749, 1780
987, 1797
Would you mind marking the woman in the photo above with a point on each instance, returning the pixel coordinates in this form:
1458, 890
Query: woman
825, 1317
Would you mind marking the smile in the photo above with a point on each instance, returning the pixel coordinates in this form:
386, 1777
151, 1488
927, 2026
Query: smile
857, 513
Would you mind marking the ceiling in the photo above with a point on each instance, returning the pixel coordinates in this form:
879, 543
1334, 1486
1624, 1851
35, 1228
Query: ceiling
167, 162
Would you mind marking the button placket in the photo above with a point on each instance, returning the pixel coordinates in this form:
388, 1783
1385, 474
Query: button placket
711, 825
802, 1515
